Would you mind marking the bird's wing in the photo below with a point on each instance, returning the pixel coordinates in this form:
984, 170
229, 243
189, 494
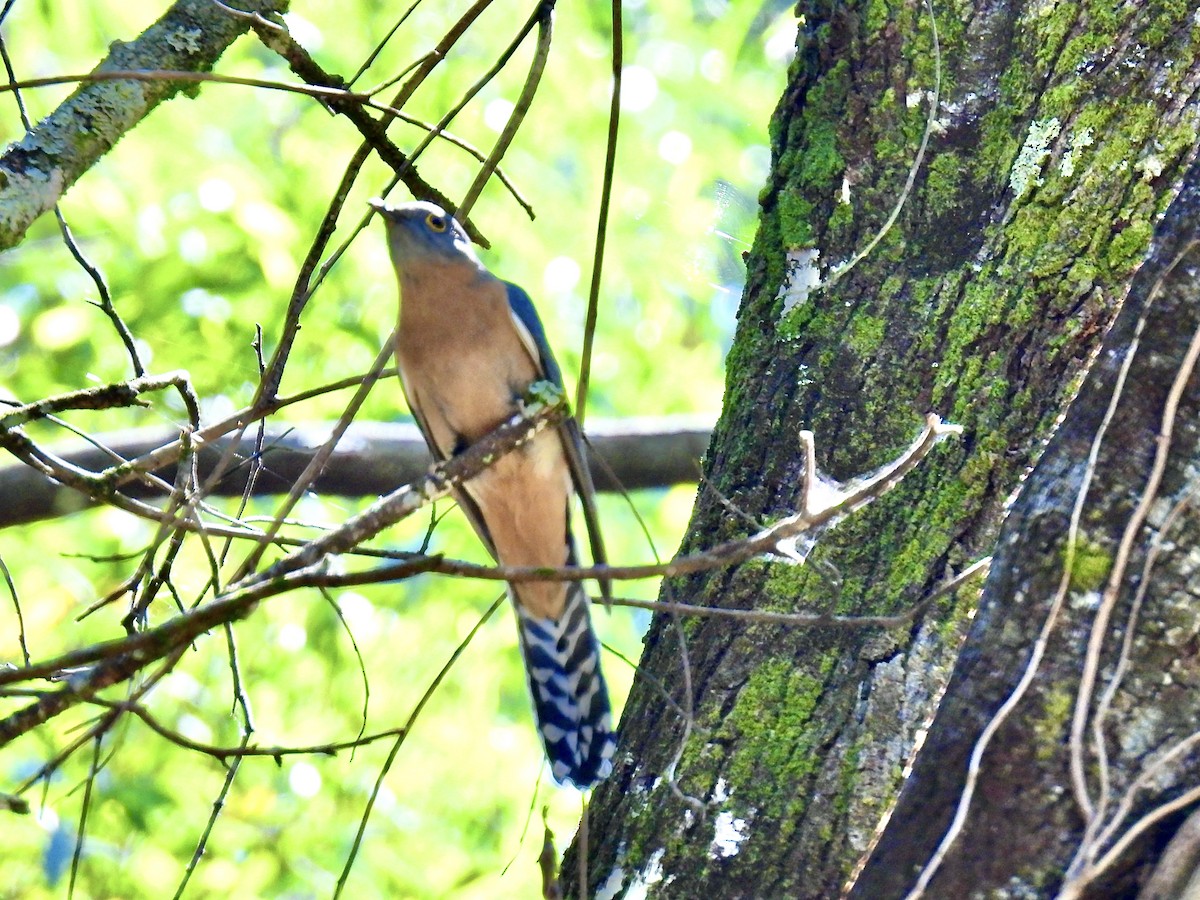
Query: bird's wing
533, 336
441, 454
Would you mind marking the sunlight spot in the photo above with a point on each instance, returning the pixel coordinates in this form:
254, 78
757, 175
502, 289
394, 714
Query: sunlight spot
755, 163
780, 45
648, 333
304, 780
180, 686
650, 875
292, 637
265, 220
194, 729
635, 202
62, 327
802, 276
10, 326
675, 147
504, 740
357, 610
193, 246
116, 523
216, 408
605, 365
612, 885
145, 351
149, 225
713, 66
639, 87
305, 32
200, 304
216, 195
496, 113
669, 59
561, 275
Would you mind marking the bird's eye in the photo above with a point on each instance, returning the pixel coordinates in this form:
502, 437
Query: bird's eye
436, 223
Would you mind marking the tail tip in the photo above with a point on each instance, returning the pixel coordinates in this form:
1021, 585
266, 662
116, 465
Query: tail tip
584, 772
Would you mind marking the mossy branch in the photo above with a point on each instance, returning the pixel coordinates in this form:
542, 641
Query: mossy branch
39, 169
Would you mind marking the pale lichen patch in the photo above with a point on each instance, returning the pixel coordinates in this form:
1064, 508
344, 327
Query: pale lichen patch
651, 874
30, 193
185, 40
728, 834
801, 278
1079, 140
612, 884
1027, 170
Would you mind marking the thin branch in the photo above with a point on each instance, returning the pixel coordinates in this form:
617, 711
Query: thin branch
244, 749
372, 459
306, 281
42, 166
217, 805
317, 463
404, 732
610, 166
545, 22
85, 807
108, 396
374, 54
16, 599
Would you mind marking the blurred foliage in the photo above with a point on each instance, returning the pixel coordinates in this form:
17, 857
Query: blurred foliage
199, 219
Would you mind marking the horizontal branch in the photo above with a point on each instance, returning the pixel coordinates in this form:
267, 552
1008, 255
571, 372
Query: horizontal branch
116, 661
372, 459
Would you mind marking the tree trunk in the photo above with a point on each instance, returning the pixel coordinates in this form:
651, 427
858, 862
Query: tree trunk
1062, 131
1123, 466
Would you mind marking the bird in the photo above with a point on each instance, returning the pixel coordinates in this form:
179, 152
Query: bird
468, 347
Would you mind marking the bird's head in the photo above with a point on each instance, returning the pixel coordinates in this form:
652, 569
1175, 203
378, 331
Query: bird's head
423, 231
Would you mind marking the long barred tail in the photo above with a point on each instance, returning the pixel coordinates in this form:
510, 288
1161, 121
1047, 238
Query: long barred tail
570, 699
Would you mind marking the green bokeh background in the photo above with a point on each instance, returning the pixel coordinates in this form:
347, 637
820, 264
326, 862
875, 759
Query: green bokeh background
199, 219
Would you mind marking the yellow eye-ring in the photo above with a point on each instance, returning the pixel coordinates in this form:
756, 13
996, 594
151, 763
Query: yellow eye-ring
436, 223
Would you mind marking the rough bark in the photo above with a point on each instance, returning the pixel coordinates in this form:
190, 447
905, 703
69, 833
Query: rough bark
38, 170
1025, 799
1063, 130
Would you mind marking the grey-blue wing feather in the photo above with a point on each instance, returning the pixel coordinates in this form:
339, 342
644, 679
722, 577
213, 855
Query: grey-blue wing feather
524, 312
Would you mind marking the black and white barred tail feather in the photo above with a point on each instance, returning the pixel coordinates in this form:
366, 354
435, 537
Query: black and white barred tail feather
570, 698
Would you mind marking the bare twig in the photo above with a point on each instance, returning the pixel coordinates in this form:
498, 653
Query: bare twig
610, 166
544, 16
16, 599
404, 732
